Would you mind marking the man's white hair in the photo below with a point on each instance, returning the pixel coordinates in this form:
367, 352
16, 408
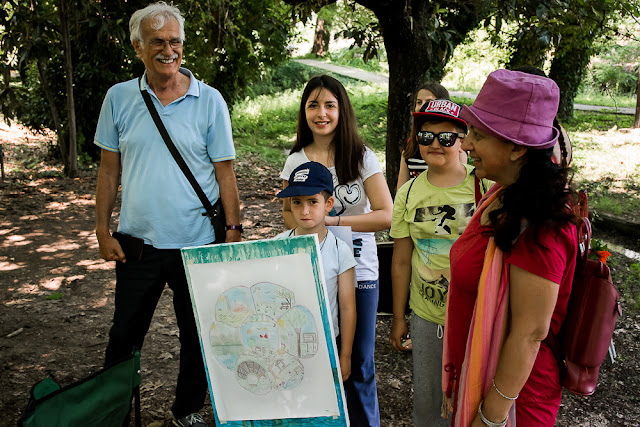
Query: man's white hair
158, 14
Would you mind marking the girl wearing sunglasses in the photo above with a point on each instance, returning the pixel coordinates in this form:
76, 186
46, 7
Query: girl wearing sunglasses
429, 214
412, 163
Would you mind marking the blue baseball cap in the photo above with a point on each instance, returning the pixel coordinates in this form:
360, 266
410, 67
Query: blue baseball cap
308, 179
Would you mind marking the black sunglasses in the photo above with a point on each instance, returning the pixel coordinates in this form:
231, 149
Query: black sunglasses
446, 139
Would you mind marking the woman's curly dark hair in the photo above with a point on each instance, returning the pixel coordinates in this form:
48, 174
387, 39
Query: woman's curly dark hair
541, 196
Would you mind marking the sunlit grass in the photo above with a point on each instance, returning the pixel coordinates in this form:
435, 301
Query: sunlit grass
266, 125
607, 161
613, 100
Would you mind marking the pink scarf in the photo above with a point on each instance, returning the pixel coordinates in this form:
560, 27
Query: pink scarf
487, 333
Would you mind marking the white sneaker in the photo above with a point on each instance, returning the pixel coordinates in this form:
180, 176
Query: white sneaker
191, 420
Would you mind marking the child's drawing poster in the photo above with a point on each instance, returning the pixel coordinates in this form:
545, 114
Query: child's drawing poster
266, 333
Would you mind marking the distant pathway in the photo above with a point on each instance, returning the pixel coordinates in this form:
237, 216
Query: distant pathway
379, 78
354, 73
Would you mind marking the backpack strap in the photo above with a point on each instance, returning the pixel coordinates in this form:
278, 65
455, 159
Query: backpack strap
409, 192
480, 190
553, 343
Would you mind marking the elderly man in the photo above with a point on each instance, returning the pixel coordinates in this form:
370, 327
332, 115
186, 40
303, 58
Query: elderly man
159, 207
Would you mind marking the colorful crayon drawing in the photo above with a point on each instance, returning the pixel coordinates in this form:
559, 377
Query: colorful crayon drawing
261, 335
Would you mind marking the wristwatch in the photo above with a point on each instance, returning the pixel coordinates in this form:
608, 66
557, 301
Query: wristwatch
235, 227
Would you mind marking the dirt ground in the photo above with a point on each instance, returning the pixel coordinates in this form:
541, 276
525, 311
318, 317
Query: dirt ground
48, 248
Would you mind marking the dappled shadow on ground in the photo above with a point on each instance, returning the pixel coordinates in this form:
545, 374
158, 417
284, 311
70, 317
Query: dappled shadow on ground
56, 293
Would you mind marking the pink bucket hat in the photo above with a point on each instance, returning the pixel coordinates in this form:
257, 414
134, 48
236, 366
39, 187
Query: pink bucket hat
518, 107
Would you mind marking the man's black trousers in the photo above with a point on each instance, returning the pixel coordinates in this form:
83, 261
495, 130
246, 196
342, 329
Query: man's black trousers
139, 285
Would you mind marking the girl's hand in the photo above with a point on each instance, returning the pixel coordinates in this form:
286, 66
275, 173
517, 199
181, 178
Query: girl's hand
345, 367
331, 220
399, 333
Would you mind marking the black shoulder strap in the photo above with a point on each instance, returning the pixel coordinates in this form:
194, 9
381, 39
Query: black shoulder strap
176, 154
409, 192
479, 192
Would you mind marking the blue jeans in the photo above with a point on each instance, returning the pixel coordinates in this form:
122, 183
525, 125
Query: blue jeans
360, 388
139, 285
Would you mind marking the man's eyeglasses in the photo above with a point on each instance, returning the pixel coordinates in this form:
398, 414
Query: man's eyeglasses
159, 44
446, 139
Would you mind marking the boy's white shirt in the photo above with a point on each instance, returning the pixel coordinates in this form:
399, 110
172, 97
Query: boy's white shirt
351, 199
337, 258
342, 232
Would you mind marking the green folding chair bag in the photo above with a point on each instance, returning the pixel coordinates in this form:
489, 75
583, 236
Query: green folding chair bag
101, 399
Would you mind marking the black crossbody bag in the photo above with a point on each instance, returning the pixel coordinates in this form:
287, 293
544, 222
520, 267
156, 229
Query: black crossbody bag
214, 212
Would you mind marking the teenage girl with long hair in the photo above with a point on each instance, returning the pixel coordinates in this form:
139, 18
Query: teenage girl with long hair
327, 134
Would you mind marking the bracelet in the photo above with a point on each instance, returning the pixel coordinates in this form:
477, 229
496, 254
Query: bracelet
486, 422
338, 220
235, 227
500, 393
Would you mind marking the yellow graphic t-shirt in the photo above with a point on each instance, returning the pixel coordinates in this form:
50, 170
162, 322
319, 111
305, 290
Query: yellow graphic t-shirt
434, 217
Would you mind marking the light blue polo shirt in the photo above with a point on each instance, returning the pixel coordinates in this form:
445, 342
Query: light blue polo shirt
158, 203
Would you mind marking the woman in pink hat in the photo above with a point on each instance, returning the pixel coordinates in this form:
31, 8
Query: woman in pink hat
512, 268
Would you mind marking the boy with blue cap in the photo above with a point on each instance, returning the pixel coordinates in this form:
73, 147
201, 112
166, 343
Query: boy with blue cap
310, 189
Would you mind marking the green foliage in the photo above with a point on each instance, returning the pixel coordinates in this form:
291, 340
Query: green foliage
288, 75
587, 95
615, 70
597, 245
630, 285
606, 163
565, 29
265, 125
370, 106
230, 44
473, 60
356, 57
360, 24
34, 44
590, 120
606, 203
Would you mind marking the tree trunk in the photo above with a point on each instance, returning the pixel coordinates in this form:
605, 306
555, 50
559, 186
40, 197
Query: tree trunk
71, 167
529, 50
408, 61
322, 38
567, 69
413, 58
636, 121
62, 144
